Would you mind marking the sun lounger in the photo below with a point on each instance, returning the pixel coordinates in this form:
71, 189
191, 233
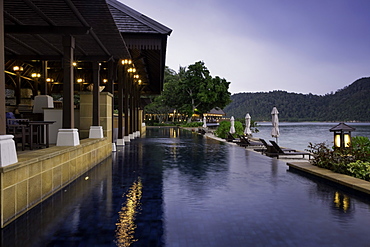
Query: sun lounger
281, 151
241, 142
270, 149
247, 142
230, 137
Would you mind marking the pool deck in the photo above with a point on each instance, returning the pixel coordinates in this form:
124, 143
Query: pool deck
304, 165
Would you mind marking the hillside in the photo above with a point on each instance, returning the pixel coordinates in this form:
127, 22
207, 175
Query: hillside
351, 103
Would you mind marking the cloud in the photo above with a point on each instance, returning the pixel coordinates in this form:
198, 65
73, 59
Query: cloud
296, 46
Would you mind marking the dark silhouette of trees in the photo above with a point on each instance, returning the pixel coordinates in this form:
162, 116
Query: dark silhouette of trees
351, 103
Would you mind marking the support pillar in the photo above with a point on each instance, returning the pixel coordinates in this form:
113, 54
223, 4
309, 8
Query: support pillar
110, 88
96, 93
132, 114
68, 135
126, 109
121, 73
44, 87
96, 131
8, 154
2, 75
137, 103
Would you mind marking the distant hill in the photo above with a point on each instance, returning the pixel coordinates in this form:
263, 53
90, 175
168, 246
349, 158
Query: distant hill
351, 103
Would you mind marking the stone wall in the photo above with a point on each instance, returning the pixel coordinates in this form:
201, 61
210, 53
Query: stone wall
41, 173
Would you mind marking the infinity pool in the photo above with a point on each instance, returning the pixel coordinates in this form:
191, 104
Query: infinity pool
174, 188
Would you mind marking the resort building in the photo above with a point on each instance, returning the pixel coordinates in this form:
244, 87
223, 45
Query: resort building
69, 66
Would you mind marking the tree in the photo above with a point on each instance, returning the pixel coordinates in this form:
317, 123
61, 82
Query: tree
158, 108
196, 90
192, 90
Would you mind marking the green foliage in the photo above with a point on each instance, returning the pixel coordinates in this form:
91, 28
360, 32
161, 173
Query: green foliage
359, 169
162, 124
347, 104
159, 108
192, 124
353, 161
194, 89
224, 128
253, 126
361, 148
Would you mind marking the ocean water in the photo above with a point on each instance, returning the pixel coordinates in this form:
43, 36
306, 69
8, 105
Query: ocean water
299, 135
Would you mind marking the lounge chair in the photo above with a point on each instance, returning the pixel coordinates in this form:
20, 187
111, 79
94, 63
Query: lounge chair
281, 151
271, 150
230, 137
247, 142
241, 142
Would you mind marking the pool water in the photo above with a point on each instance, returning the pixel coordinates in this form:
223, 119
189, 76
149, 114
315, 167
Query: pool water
174, 188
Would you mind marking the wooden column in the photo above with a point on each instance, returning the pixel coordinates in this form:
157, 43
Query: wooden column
137, 103
68, 105
121, 75
96, 93
135, 110
132, 112
127, 83
2, 75
112, 70
132, 108
44, 88
17, 90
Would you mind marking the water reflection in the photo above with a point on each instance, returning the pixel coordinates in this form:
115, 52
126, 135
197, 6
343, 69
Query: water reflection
339, 203
198, 163
126, 223
194, 191
63, 214
342, 202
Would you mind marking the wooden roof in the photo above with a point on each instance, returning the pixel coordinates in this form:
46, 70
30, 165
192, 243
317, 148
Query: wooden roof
129, 20
103, 30
34, 30
342, 127
146, 40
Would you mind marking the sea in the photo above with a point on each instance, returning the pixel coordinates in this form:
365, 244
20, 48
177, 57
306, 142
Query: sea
298, 135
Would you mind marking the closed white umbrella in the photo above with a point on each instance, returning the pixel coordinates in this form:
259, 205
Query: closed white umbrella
247, 130
232, 128
275, 123
204, 122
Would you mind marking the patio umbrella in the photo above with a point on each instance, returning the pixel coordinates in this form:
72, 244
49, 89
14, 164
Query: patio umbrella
204, 122
247, 130
275, 123
232, 128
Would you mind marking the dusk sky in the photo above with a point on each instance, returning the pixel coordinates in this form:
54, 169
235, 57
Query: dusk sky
315, 46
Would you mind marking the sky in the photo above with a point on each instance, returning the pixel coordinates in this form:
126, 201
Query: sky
315, 46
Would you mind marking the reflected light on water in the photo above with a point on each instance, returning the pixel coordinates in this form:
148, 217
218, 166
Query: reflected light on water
342, 201
174, 133
126, 223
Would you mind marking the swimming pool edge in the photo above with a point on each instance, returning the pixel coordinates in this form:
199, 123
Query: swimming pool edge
344, 180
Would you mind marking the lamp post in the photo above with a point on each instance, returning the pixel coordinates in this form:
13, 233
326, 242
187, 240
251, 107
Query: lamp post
342, 135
